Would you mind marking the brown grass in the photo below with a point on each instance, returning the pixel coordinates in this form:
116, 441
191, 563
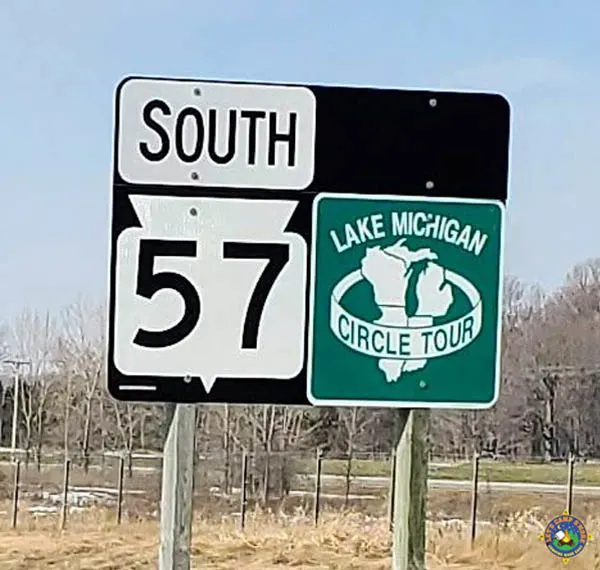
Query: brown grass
352, 542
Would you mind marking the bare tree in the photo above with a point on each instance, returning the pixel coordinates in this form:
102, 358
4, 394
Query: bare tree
34, 335
353, 422
550, 394
82, 347
126, 421
4, 384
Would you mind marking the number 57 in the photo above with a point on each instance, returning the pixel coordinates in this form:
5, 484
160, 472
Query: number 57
149, 283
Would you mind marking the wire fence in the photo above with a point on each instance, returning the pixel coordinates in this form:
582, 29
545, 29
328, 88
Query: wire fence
472, 493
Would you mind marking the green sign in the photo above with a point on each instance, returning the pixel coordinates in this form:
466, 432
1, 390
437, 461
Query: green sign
405, 304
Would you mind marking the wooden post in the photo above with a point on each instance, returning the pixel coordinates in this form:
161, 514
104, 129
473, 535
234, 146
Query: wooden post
15, 420
177, 490
15, 497
120, 489
266, 478
410, 491
227, 446
67, 414
391, 490
474, 496
570, 474
317, 501
243, 490
65, 497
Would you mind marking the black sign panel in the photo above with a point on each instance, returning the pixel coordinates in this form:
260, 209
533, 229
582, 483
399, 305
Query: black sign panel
213, 186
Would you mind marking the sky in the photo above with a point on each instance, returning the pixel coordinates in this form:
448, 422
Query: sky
61, 60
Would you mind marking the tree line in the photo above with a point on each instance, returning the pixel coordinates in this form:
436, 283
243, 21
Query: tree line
550, 391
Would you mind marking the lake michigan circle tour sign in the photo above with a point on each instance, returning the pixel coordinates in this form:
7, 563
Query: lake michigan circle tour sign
296, 244
405, 301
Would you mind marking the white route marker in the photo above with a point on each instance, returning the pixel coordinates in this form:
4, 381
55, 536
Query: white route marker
210, 287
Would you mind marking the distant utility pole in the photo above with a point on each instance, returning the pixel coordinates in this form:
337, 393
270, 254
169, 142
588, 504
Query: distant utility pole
63, 365
16, 365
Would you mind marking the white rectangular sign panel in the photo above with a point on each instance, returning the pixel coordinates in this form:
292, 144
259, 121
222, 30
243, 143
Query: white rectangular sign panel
230, 135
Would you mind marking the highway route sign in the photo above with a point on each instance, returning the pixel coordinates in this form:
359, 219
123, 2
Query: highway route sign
405, 301
214, 192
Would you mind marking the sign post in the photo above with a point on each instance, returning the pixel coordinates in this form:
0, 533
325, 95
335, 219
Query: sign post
306, 245
405, 312
410, 491
177, 491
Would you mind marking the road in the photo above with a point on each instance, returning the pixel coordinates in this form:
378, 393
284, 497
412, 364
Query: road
492, 486
505, 487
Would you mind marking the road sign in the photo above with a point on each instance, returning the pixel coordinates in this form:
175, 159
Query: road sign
236, 250
212, 201
216, 134
405, 301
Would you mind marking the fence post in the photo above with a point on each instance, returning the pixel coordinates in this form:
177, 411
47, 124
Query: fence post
227, 448
266, 478
15, 497
474, 496
120, 489
243, 490
391, 493
570, 473
65, 497
317, 501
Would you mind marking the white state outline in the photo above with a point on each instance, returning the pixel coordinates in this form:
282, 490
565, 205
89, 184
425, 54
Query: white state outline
460, 282
401, 403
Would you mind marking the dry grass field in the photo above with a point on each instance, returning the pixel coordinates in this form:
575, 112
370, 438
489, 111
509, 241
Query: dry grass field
350, 542
353, 541
510, 524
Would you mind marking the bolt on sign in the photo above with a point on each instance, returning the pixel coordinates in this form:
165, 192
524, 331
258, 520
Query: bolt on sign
405, 301
297, 244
